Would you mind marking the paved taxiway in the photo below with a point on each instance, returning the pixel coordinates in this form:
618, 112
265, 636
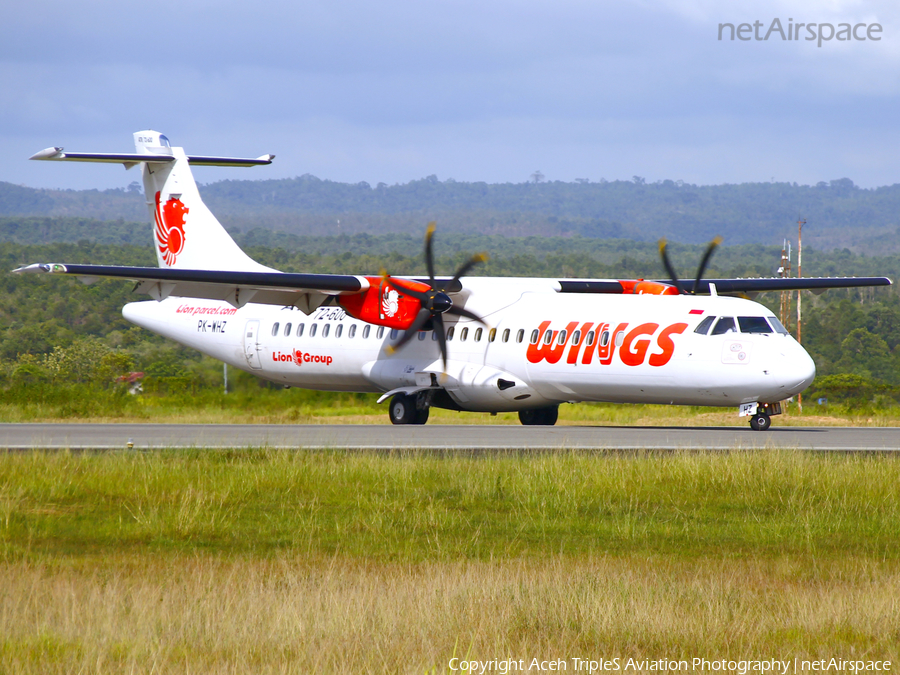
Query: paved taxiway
440, 437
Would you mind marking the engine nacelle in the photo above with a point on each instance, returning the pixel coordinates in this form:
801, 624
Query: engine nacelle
385, 304
642, 287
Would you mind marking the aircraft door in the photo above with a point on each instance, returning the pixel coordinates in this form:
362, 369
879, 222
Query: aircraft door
251, 344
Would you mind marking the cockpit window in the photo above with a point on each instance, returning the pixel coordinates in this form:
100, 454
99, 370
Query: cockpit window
777, 325
703, 328
754, 324
163, 141
724, 325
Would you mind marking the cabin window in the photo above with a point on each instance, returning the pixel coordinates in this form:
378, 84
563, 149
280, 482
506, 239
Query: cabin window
520, 335
478, 332
394, 333
724, 325
778, 326
450, 332
548, 336
313, 327
338, 330
576, 338
563, 334
299, 332
492, 335
534, 337
379, 333
754, 324
620, 338
703, 328
326, 329
351, 332
604, 338
434, 336
506, 335
366, 330
590, 338
287, 330
275, 328
463, 334
421, 335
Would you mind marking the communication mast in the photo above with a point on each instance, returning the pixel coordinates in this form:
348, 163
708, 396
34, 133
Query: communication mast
800, 223
784, 272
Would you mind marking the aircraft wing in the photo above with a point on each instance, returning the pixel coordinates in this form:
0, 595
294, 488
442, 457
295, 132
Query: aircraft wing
305, 291
309, 291
723, 286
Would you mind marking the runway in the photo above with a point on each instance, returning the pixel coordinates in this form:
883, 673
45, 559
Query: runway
440, 437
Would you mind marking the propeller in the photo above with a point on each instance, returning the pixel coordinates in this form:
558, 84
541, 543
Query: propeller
704, 261
435, 301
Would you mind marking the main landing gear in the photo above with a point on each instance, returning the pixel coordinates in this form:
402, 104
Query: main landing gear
414, 409
540, 416
407, 409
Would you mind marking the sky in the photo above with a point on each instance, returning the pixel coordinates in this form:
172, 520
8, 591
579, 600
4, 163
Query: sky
481, 90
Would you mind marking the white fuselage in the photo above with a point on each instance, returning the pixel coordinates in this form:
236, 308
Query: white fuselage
615, 348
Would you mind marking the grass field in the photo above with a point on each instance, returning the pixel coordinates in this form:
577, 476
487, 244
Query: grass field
271, 561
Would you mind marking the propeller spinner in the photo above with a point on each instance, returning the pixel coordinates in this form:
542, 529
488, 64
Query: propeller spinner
435, 301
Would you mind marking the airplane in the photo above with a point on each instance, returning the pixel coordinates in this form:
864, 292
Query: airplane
464, 343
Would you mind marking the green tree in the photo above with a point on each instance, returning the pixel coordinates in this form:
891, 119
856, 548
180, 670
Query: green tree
866, 355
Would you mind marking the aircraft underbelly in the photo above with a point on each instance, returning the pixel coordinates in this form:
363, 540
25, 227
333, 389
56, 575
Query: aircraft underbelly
682, 382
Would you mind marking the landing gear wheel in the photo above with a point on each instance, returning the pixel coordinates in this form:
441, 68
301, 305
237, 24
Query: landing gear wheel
551, 414
539, 416
528, 417
760, 422
422, 416
403, 410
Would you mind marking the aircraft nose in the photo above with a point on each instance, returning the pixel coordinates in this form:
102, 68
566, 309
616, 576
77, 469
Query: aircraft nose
798, 370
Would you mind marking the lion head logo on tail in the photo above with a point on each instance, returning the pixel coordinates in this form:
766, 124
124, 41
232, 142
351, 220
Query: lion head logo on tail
169, 232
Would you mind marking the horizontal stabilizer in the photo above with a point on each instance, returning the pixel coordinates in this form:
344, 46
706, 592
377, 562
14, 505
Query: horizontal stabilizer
129, 159
197, 160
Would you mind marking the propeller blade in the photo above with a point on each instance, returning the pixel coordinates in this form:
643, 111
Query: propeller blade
412, 292
435, 301
476, 259
429, 256
705, 261
462, 311
418, 323
438, 322
668, 265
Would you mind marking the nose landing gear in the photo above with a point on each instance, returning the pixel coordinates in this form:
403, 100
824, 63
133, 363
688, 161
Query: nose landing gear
760, 422
761, 419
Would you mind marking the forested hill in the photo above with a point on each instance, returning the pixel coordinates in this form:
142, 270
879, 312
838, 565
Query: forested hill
838, 213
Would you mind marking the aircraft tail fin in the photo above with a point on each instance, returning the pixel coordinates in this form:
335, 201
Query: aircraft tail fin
186, 234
